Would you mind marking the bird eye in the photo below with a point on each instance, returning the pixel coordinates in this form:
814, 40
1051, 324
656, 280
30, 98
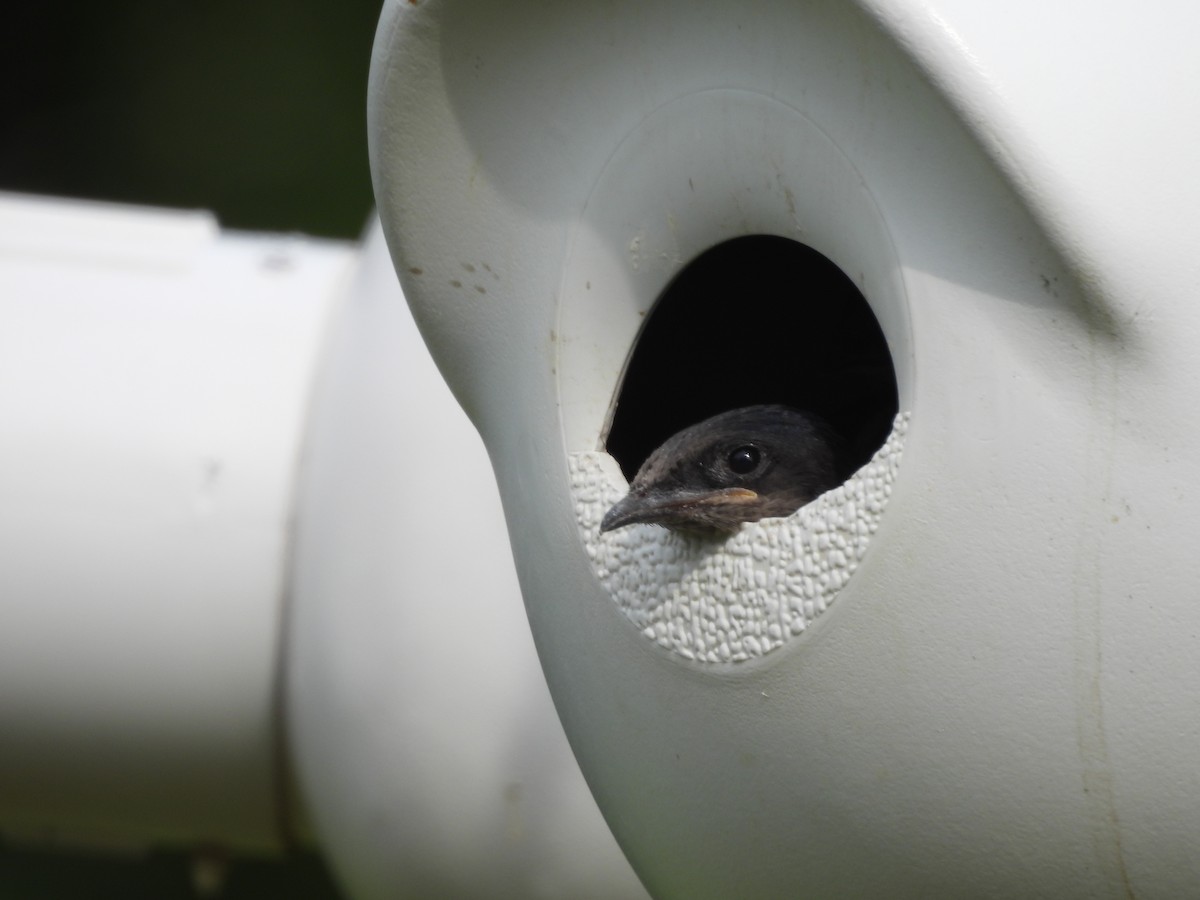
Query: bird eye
744, 460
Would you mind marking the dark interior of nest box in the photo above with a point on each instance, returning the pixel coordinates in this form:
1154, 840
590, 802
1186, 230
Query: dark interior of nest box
757, 319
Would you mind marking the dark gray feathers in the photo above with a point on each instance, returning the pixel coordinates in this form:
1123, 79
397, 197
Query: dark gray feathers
739, 466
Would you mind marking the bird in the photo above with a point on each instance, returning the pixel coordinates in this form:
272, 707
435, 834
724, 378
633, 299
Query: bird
738, 466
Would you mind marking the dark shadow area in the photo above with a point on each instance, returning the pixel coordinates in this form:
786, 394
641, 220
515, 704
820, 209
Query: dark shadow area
30, 874
256, 111
758, 319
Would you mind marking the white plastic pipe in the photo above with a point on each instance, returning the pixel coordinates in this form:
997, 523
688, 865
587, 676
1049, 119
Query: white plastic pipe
154, 374
228, 470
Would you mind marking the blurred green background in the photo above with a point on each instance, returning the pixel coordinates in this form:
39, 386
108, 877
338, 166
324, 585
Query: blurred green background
254, 109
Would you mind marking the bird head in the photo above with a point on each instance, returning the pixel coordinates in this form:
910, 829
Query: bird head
739, 466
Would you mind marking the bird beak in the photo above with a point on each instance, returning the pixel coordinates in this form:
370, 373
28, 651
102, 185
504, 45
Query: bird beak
663, 508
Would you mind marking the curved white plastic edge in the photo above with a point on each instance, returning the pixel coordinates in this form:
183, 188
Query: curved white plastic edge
429, 753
